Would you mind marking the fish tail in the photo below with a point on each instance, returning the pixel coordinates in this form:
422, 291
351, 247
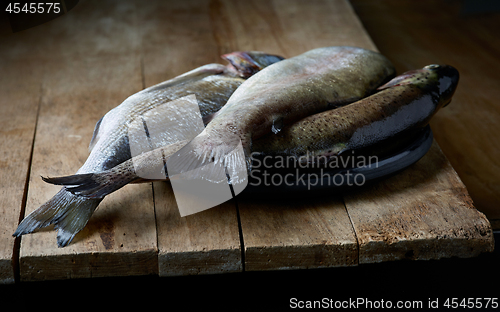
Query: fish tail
68, 212
94, 185
146, 167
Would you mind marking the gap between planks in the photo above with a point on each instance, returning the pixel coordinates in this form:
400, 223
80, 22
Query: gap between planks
17, 240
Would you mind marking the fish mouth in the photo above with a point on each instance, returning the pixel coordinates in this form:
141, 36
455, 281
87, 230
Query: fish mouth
448, 77
242, 63
447, 102
248, 63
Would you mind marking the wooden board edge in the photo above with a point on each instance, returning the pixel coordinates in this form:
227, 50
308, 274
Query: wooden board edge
89, 265
7, 271
423, 250
305, 257
199, 262
470, 242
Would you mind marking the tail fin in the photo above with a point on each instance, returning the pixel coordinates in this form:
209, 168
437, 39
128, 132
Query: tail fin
146, 167
69, 213
94, 185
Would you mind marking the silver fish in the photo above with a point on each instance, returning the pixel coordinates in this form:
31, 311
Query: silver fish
212, 85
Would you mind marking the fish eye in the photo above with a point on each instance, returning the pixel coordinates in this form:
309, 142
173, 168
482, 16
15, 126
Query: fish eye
432, 66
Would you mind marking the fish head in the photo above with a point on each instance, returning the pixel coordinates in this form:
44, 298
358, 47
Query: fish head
446, 78
248, 63
441, 80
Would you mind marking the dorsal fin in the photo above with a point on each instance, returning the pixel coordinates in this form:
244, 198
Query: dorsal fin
195, 74
405, 78
95, 136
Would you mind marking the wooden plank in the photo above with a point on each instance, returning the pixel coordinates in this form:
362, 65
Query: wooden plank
174, 45
287, 27
22, 63
423, 212
302, 233
371, 204
85, 79
204, 243
207, 242
314, 232
303, 26
20, 89
122, 231
468, 130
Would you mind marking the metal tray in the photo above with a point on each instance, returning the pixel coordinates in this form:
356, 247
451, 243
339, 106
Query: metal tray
392, 156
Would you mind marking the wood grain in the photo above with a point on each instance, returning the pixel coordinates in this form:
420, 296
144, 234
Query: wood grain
204, 243
23, 65
416, 33
173, 35
305, 233
421, 213
296, 234
84, 80
367, 206
20, 87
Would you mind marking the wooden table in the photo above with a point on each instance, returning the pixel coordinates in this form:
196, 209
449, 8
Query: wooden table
414, 33
59, 78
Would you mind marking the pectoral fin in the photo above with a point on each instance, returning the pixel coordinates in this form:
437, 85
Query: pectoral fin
193, 75
404, 79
